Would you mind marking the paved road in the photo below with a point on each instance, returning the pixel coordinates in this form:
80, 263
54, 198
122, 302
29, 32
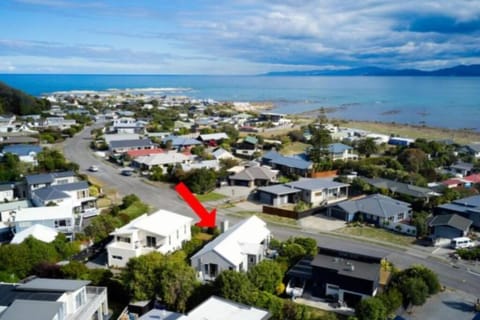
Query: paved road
164, 197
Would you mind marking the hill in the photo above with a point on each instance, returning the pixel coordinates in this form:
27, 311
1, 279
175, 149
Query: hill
18, 102
457, 71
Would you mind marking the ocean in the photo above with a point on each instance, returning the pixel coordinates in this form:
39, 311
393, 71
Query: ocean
449, 102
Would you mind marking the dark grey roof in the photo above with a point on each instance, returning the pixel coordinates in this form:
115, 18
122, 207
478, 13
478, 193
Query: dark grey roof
131, 143
52, 285
472, 201
8, 294
29, 309
254, 173
278, 189
474, 147
50, 193
6, 186
375, 204
315, 184
452, 220
63, 174
39, 178
400, 187
80, 185
292, 162
462, 166
360, 270
302, 270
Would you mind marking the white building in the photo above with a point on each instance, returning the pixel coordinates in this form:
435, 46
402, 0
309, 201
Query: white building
238, 248
38, 231
162, 231
53, 299
162, 160
6, 192
60, 218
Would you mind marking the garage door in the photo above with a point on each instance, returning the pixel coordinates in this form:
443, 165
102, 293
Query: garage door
265, 198
338, 213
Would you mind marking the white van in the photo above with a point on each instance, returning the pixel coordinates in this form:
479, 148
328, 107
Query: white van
462, 242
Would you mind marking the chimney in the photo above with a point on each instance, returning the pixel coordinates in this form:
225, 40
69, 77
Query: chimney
224, 226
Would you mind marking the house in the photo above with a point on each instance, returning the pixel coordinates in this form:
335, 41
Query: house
222, 154
277, 119
238, 248
318, 192
161, 160
288, 165
204, 164
449, 226
10, 140
254, 176
75, 194
53, 299
178, 142
455, 183
468, 208
461, 169
120, 136
377, 209
162, 231
6, 192
122, 146
128, 125
6, 122
247, 147
38, 231
213, 139
26, 152
398, 141
277, 195
60, 218
473, 149
132, 154
37, 181
340, 151
344, 276
58, 122
401, 188
7, 211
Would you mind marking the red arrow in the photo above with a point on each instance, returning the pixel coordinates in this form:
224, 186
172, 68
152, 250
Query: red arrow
207, 219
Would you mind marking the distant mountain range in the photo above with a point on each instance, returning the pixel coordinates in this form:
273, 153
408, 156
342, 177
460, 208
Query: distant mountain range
457, 71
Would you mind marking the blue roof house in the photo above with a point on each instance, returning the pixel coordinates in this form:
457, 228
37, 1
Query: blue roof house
26, 153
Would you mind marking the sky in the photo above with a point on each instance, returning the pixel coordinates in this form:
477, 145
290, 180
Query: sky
235, 36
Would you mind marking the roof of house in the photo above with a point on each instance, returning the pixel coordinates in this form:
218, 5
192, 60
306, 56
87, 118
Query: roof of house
472, 201
18, 140
6, 186
161, 222
43, 213
131, 143
336, 148
144, 152
375, 204
474, 147
50, 193
9, 293
216, 308
181, 141
315, 184
254, 173
38, 231
278, 189
462, 165
11, 205
348, 267
52, 285
292, 162
208, 164
31, 309
161, 314
213, 136
43, 178
250, 139
451, 220
65, 187
474, 178
220, 152
21, 149
229, 244
162, 158
400, 187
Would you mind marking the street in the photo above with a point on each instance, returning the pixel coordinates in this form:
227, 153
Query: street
77, 149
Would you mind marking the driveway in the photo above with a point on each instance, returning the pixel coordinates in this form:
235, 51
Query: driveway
446, 306
321, 223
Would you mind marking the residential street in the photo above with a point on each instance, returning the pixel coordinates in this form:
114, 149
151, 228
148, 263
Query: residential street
164, 197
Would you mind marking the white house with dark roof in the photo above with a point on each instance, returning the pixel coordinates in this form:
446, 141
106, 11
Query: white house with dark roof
287, 164
162, 231
340, 151
238, 248
53, 299
122, 146
37, 181
254, 176
319, 192
25, 152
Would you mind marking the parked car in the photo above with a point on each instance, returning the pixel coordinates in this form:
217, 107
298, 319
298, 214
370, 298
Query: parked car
127, 172
93, 168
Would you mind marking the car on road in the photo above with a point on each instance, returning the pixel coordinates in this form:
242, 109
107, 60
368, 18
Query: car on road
127, 172
93, 168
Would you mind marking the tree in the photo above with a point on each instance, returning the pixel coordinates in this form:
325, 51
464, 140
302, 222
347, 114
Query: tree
201, 180
75, 270
141, 276
420, 223
235, 286
371, 309
367, 147
292, 252
101, 226
414, 291
266, 275
309, 244
413, 159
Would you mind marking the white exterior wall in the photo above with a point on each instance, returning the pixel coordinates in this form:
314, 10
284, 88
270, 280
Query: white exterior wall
6, 195
174, 242
63, 180
211, 257
126, 253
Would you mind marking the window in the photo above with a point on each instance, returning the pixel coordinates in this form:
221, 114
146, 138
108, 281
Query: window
178, 234
151, 241
62, 223
79, 300
185, 229
401, 216
317, 194
117, 257
123, 239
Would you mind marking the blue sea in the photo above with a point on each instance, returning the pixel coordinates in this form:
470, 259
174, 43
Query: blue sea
451, 102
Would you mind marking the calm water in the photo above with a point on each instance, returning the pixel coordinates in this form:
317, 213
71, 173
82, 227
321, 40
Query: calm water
451, 102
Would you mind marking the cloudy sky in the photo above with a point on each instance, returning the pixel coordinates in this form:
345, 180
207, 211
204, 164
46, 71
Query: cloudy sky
234, 36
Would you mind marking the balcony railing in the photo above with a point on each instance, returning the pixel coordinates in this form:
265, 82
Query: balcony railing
96, 296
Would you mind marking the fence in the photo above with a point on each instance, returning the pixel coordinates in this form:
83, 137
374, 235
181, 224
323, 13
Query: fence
324, 174
286, 213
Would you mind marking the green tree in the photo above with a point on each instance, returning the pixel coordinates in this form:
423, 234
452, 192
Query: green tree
414, 291
371, 309
412, 159
201, 180
235, 286
420, 223
101, 226
367, 147
75, 270
140, 276
292, 253
266, 275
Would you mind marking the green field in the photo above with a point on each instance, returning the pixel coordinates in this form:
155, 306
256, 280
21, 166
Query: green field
377, 234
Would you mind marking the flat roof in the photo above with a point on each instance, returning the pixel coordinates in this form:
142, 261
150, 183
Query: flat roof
53, 285
348, 267
30, 309
216, 308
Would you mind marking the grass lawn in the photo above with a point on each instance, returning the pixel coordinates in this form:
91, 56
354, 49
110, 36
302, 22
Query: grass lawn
294, 148
136, 209
104, 202
203, 236
212, 196
266, 217
377, 234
